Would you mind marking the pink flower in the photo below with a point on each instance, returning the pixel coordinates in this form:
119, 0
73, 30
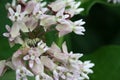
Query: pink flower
32, 57
12, 40
66, 27
22, 73
18, 15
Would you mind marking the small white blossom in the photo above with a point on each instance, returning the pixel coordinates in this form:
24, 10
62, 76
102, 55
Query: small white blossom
22, 73
18, 15
66, 27
32, 56
12, 40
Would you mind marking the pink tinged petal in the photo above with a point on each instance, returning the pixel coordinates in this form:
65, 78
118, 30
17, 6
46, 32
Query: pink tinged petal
64, 48
23, 27
11, 11
54, 48
15, 30
2, 67
30, 6
60, 13
48, 62
37, 60
63, 29
11, 39
36, 9
31, 63
18, 9
79, 30
16, 59
31, 23
27, 57
61, 57
48, 21
57, 5
37, 69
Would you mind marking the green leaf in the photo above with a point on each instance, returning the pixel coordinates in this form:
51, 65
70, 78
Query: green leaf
107, 63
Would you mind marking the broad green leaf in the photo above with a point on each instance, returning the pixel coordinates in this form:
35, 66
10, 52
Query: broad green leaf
107, 63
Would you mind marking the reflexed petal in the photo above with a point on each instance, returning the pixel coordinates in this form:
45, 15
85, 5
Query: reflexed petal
54, 48
64, 48
58, 5
79, 10
18, 40
37, 60
60, 13
48, 21
79, 22
23, 27
48, 62
2, 66
79, 30
37, 69
77, 5
30, 6
15, 30
36, 9
11, 11
85, 76
16, 60
18, 9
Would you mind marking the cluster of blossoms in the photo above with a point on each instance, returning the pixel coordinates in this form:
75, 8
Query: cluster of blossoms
31, 20
114, 1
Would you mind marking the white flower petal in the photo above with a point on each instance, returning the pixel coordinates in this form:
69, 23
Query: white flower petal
31, 63
18, 9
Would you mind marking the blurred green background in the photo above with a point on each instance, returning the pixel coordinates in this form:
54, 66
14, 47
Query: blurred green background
100, 44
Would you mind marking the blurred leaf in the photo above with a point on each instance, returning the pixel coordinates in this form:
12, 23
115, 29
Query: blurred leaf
107, 63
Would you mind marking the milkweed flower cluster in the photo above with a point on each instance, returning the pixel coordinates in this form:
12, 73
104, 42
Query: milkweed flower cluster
31, 20
114, 1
